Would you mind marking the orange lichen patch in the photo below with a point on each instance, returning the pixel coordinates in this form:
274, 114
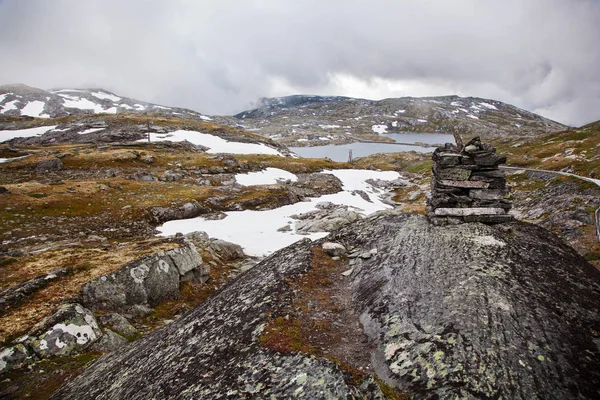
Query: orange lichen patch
321, 320
93, 263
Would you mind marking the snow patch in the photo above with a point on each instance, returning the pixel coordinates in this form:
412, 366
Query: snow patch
92, 130
33, 108
488, 241
214, 143
488, 105
25, 133
11, 105
269, 176
82, 104
472, 116
105, 96
379, 129
257, 231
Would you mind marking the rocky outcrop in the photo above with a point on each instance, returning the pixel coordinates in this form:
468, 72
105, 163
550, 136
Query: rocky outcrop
145, 282
467, 185
463, 311
18, 293
71, 329
326, 218
187, 210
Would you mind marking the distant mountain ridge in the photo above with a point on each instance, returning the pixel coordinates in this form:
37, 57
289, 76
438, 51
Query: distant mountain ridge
317, 118
23, 100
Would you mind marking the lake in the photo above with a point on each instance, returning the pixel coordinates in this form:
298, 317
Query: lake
340, 152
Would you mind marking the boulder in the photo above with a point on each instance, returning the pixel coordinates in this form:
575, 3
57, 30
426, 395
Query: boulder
171, 176
71, 329
226, 251
15, 357
187, 210
148, 281
324, 219
464, 311
109, 342
4, 190
333, 249
118, 323
53, 164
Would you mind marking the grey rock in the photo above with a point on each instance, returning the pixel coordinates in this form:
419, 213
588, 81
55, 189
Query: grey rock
143, 177
467, 311
459, 212
16, 294
15, 357
490, 194
109, 342
171, 176
187, 210
333, 249
54, 164
226, 251
454, 174
148, 281
119, 323
285, 228
324, 220
71, 329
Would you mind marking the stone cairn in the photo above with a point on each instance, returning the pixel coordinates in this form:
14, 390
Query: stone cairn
467, 185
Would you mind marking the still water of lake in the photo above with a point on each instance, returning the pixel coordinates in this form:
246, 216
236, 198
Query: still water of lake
340, 152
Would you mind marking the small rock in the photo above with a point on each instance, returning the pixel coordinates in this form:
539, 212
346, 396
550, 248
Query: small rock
285, 228
119, 323
365, 255
347, 272
333, 249
3, 190
54, 164
109, 342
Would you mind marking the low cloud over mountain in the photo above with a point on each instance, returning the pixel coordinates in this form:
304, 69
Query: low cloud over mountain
219, 57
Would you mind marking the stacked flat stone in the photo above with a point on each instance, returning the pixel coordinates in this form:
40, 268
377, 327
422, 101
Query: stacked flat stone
467, 185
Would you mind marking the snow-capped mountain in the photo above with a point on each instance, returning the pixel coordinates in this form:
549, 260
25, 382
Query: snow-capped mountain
23, 100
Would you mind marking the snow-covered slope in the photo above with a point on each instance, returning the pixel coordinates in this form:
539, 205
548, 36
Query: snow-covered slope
23, 100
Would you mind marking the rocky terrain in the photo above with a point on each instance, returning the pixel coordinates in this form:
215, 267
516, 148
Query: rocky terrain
447, 312
315, 120
23, 100
141, 234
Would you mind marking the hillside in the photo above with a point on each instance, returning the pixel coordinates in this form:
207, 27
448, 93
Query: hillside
23, 100
315, 120
132, 220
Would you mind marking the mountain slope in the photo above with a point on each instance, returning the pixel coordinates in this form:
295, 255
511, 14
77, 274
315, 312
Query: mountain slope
23, 100
343, 119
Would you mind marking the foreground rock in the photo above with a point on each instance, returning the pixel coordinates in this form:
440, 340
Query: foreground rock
465, 311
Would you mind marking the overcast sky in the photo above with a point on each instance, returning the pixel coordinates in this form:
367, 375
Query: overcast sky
219, 56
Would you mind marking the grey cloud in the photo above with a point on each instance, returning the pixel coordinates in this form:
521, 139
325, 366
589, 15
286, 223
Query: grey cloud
218, 57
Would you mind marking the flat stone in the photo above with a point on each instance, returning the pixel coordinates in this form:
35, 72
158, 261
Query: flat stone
488, 219
494, 173
455, 174
347, 272
493, 159
461, 212
464, 184
490, 194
